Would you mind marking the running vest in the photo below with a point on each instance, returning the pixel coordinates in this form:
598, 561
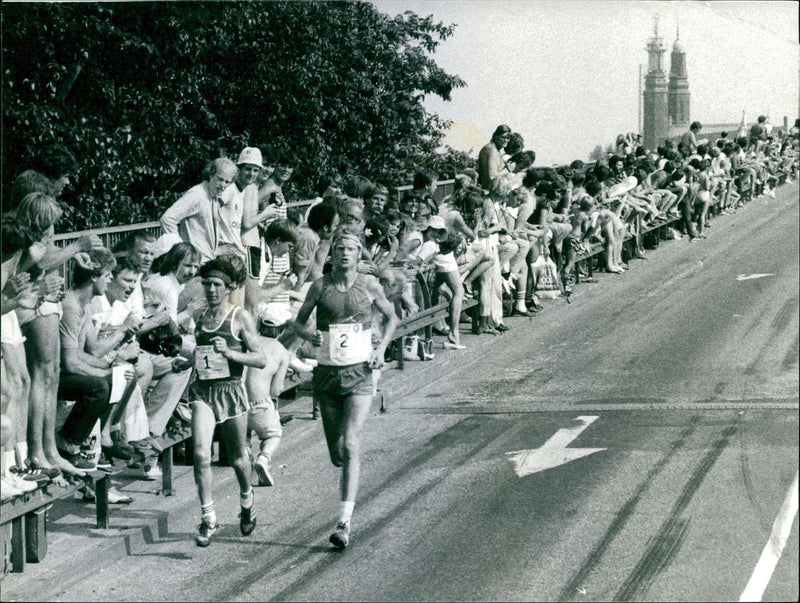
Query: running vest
345, 319
210, 365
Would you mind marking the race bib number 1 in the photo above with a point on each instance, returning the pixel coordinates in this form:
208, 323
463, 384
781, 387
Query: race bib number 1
349, 343
210, 364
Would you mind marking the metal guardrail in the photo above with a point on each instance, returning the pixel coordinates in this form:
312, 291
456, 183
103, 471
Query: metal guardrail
112, 235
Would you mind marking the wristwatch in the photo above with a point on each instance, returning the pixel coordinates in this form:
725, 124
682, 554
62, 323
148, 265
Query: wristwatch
111, 357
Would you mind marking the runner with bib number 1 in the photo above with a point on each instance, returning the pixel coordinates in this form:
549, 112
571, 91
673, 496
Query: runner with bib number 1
343, 378
226, 342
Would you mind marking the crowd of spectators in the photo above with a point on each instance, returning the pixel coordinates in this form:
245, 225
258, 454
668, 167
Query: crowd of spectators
98, 371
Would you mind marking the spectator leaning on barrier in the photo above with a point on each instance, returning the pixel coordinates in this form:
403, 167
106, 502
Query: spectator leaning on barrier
23, 244
271, 192
241, 196
251, 165
40, 327
195, 216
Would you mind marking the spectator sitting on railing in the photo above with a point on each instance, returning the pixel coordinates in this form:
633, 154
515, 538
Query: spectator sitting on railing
264, 386
689, 139
139, 248
195, 215
109, 331
480, 217
380, 247
171, 272
518, 244
660, 181
471, 257
607, 227
408, 209
414, 224
162, 291
86, 378
490, 158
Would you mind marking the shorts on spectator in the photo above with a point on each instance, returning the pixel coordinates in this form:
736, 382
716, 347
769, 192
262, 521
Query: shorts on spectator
10, 333
264, 420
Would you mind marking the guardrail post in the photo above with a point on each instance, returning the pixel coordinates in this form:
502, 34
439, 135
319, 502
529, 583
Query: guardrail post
18, 544
166, 472
36, 535
101, 496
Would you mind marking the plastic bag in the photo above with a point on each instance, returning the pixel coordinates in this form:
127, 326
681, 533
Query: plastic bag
545, 278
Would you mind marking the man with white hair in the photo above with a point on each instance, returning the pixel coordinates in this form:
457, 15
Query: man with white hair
263, 388
196, 215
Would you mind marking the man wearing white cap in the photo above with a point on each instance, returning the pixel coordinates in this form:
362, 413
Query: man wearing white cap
251, 165
233, 202
263, 388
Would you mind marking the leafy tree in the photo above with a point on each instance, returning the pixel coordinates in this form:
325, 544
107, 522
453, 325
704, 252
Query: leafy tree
146, 93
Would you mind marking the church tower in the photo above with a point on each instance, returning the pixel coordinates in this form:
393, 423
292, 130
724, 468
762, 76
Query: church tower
656, 118
678, 85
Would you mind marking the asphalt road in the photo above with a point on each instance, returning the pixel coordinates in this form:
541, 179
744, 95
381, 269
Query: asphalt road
636, 444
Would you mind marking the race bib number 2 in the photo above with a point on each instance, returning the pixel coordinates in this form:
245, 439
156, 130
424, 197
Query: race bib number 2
210, 364
349, 343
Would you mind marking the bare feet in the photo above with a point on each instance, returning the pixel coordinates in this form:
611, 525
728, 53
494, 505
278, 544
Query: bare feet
65, 466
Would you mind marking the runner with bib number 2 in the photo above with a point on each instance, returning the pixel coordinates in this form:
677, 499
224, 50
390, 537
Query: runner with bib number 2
343, 378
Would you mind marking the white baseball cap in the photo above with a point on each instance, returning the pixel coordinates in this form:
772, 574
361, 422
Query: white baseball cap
250, 155
436, 222
273, 315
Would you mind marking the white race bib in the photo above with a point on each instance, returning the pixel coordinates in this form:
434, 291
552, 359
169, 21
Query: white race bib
348, 343
210, 364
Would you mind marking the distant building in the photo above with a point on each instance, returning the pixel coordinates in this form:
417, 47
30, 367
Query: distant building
678, 86
666, 104
656, 94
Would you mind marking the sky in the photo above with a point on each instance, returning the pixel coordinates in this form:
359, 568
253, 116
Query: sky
565, 73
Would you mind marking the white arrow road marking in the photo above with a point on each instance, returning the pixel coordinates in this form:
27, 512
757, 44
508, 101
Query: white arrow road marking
554, 452
750, 277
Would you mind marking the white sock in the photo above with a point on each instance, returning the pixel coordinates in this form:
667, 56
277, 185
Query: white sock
6, 461
209, 513
246, 499
347, 511
21, 448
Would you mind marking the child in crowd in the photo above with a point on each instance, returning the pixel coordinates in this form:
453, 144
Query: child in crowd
264, 385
